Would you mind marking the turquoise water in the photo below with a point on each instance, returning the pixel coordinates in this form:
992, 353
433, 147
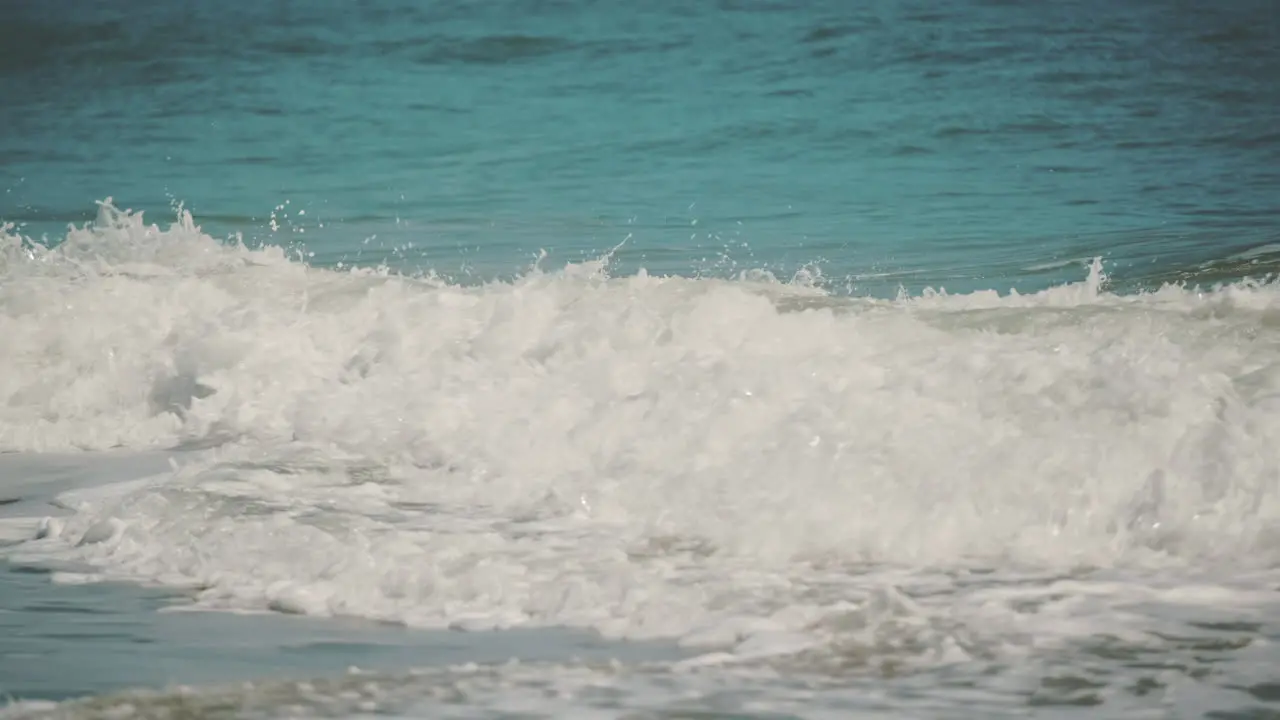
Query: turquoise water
580, 359
968, 143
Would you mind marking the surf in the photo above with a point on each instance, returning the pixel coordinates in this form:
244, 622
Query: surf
739, 465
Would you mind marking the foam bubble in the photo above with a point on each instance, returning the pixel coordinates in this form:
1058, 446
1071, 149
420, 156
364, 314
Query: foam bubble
752, 468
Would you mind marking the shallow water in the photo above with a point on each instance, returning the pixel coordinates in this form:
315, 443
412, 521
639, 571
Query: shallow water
568, 359
62, 642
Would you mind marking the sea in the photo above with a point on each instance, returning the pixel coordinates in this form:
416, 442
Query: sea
673, 359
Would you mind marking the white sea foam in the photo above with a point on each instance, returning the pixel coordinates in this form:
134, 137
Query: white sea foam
754, 469
530, 690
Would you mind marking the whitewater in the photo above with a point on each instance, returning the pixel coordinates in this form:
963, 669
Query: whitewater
803, 492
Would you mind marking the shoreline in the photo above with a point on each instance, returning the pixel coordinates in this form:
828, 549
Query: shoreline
67, 642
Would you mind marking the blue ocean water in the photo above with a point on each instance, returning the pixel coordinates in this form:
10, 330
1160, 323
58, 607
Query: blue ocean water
971, 144
564, 358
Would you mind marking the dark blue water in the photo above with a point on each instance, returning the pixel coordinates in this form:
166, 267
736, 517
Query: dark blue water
973, 144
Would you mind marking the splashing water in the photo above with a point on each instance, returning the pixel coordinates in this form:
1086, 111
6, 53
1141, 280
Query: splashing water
760, 471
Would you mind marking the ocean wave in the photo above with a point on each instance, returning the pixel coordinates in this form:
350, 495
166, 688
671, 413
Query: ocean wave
751, 467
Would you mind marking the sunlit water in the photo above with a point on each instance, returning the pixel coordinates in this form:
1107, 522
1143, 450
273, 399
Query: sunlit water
573, 360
